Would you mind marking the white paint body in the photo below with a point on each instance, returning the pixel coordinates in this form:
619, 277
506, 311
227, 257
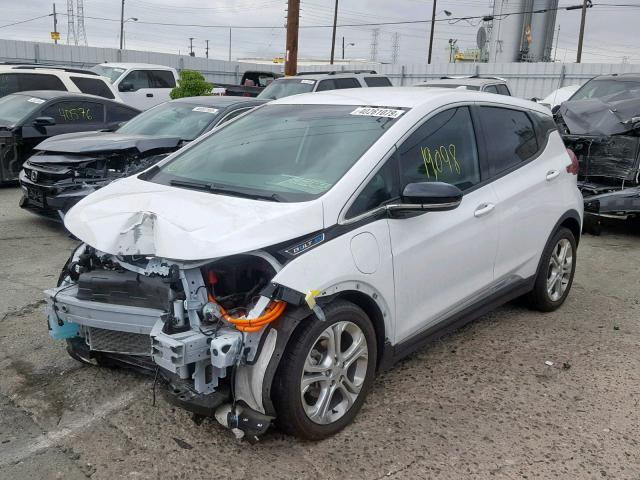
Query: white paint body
419, 270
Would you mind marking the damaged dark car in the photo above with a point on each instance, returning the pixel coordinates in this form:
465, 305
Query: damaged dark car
28, 118
600, 123
67, 168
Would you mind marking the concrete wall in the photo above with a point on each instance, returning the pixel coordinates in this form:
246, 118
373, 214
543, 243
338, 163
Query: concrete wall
525, 79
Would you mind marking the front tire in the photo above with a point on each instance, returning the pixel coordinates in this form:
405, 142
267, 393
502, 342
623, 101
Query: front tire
556, 272
326, 372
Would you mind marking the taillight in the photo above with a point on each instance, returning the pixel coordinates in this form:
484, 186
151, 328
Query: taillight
574, 166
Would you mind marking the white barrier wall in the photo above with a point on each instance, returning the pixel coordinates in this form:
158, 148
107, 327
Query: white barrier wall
525, 79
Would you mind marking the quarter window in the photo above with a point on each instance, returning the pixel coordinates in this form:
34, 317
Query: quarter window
377, 81
382, 188
75, 113
503, 89
119, 113
491, 89
511, 138
443, 149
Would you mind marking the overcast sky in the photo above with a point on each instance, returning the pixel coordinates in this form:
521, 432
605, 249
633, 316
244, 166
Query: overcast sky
609, 36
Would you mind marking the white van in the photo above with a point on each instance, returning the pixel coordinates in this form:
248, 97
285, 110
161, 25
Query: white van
141, 85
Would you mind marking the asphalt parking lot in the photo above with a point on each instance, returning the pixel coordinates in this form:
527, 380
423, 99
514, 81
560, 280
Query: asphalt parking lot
479, 404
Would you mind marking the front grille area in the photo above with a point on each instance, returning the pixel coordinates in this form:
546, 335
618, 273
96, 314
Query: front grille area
118, 342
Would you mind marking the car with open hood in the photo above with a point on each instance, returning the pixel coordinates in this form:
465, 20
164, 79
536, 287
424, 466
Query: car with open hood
266, 271
66, 168
28, 118
601, 124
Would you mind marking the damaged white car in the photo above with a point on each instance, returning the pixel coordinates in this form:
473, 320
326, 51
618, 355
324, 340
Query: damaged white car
268, 270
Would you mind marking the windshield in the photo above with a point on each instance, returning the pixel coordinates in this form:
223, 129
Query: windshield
286, 87
112, 73
14, 108
177, 119
282, 152
608, 90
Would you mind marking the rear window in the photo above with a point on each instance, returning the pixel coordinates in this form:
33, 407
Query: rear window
511, 138
377, 81
93, 86
20, 82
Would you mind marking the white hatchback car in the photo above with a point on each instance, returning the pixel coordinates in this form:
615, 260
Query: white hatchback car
269, 269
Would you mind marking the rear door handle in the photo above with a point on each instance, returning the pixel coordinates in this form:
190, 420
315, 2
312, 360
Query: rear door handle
483, 209
149, 95
551, 174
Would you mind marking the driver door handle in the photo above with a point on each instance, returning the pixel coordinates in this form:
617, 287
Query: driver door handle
551, 174
483, 209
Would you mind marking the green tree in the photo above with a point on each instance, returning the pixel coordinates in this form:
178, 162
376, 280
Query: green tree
191, 84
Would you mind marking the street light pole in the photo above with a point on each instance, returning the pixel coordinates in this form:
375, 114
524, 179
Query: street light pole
121, 24
433, 23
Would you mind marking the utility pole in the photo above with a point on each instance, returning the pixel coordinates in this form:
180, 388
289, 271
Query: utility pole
191, 54
293, 22
343, 47
206, 50
581, 37
121, 24
333, 37
55, 23
433, 24
229, 43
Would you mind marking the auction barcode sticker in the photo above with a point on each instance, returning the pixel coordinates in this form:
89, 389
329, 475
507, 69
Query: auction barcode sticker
205, 110
308, 82
35, 100
378, 112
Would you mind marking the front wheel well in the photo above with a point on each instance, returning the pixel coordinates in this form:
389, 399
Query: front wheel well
373, 311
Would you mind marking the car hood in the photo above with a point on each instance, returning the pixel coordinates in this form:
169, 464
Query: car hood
136, 217
88, 142
595, 117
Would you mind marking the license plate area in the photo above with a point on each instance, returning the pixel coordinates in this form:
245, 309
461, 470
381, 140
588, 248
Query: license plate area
36, 196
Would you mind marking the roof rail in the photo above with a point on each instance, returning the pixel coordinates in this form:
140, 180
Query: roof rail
35, 66
336, 72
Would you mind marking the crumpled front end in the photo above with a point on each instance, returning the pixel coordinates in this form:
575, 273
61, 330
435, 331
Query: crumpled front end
54, 182
9, 158
206, 328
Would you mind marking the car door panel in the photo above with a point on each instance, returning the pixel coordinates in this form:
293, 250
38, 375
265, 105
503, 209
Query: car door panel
443, 259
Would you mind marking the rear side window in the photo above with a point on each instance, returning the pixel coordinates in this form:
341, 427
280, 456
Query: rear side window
503, 89
347, 83
120, 113
162, 79
75, 112
491, 89
326, 85
93, 86
377, 81
443, 149
20, 82
511, 138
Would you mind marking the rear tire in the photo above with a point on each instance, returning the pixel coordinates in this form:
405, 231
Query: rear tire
326, 372
556, 272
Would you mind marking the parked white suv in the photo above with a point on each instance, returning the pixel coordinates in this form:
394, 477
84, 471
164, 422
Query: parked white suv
141, 85
315, 240
28, 77
322, 81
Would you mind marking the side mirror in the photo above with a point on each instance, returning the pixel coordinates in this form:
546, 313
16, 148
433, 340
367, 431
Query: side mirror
429, 197
44, 121
125, 87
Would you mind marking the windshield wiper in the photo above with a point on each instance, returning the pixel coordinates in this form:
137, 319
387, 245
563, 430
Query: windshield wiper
213, 188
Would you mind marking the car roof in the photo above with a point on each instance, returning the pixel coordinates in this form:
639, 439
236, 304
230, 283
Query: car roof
403, 97
324, 75
126, 65
476, 81
54, 94
221, 101
620, 76
47, 69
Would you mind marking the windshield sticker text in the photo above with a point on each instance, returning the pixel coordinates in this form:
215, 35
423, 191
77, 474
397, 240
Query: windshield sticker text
442, 159
205, 110
377, 112
35, 100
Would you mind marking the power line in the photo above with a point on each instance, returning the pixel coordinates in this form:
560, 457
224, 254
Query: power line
27, 20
